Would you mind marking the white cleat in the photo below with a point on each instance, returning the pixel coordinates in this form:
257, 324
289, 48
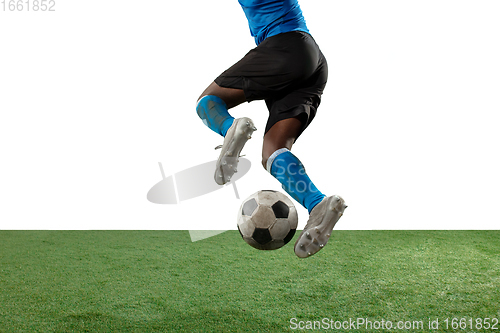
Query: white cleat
319, 227
238, 134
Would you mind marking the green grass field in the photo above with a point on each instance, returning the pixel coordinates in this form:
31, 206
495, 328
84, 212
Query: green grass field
159, 281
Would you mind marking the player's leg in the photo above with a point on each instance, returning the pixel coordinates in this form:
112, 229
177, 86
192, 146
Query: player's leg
280, 162
324, 212
213, 104
212, 108
285, 115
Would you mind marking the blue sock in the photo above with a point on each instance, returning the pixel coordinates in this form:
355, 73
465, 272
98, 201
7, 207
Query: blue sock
213, 111
286, 168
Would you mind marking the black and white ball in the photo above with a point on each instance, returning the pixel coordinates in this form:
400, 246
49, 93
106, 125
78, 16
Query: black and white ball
267, 220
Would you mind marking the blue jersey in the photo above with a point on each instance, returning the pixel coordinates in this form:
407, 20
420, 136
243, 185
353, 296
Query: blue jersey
267, 18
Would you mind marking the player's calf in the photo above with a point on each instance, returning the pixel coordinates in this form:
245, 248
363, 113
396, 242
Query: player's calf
290, 172
213, 112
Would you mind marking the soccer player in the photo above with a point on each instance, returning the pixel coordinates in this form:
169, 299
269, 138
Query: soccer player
289, 72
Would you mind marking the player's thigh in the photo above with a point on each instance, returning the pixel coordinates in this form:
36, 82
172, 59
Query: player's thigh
289, 116
231, 96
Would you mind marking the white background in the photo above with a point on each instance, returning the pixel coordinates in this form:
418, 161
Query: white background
95, 94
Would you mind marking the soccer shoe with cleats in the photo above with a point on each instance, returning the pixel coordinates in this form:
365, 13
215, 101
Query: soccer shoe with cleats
237, 135
318, 229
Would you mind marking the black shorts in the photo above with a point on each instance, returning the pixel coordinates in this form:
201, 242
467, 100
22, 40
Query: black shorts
288, 71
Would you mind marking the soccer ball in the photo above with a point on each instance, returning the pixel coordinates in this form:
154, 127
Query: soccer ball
267, 220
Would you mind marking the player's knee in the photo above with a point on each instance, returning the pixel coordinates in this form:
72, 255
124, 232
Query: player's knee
208, 91
266, 155
199, 106
269, 158
265, 158
199, 99
264, 162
